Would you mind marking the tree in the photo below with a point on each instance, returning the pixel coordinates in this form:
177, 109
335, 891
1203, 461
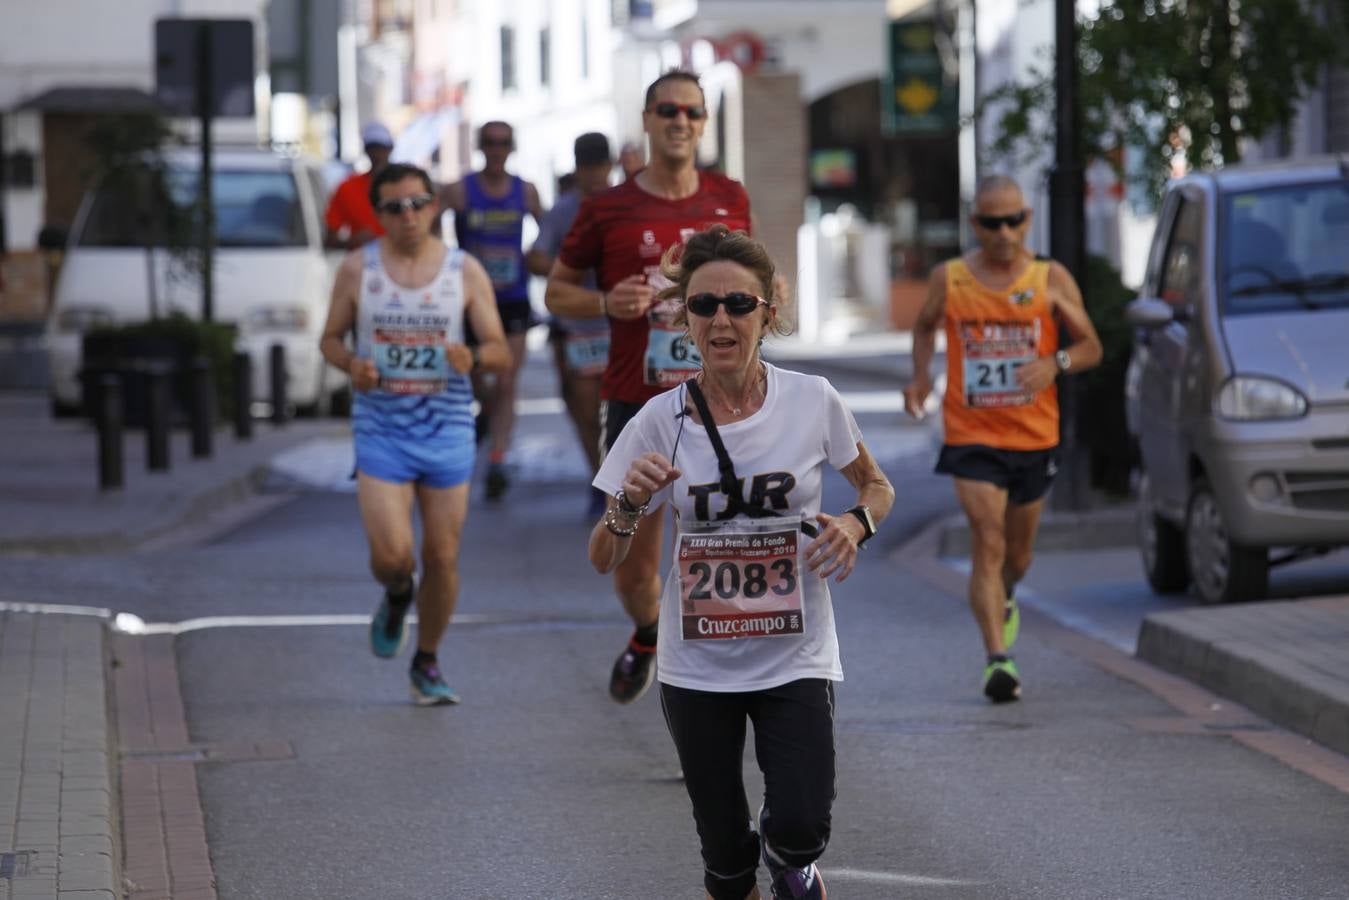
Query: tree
130, 171
1180, 76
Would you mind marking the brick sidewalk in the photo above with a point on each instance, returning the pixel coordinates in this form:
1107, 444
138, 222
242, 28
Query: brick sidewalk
57, 810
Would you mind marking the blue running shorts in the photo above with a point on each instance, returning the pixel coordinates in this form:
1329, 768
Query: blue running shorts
436, 464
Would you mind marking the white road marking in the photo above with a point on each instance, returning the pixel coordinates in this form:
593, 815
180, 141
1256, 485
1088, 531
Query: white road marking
56, 609
311, 621
832, 874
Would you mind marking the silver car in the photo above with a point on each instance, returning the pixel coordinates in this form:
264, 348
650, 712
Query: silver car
1238, 389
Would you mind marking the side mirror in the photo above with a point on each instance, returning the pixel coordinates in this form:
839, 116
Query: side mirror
1149, 312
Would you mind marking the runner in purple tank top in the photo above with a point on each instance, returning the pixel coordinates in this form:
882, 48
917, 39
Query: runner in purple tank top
489, 211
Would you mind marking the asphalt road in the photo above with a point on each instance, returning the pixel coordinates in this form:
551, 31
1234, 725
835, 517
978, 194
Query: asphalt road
537, 785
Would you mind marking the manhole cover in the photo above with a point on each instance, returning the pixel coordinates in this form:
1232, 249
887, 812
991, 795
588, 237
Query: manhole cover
15, 865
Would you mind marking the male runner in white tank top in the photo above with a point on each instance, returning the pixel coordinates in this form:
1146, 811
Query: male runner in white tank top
407, 298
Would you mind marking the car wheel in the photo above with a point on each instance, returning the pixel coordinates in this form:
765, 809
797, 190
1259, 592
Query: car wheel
1222, 571
1161, 543
340, 406
65, 410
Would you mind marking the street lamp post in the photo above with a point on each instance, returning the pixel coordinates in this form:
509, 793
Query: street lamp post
1067, 223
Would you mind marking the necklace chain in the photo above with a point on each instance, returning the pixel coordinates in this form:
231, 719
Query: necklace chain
736, 410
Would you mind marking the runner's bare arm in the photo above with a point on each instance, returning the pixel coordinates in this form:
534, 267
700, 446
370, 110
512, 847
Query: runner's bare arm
835, 550
565, 296
646, 475
341, 320
452, 197
925, 342
1085, 352
538, 262
480, 308
533, 203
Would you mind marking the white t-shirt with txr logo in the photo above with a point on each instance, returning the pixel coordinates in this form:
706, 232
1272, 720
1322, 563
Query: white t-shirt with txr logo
779, 454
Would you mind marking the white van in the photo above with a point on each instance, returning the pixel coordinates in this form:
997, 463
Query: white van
272, 276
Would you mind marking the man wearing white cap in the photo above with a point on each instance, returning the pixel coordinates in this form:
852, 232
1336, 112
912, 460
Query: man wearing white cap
350, 217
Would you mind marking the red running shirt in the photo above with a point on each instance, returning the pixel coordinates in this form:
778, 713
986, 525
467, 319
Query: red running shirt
350, 207
624, 231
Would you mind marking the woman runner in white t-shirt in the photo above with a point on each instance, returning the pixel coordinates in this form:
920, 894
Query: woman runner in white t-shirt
747, 627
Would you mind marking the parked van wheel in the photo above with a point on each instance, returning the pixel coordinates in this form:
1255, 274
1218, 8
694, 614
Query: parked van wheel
65, 410
1161, 543
1222, 571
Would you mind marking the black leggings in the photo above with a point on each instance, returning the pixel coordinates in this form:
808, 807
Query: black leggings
794, 744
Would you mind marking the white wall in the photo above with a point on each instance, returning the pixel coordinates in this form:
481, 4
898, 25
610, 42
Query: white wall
546, 119
79, 43
831, 43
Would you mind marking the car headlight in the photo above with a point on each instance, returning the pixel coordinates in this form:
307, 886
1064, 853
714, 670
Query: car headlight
278, 318
1248, 398
79, 319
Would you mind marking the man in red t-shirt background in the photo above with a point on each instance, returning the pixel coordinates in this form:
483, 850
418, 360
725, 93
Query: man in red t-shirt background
350, 217
621, 234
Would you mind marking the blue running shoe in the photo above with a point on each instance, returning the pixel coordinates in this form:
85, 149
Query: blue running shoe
388, 626
429, 688
787, 882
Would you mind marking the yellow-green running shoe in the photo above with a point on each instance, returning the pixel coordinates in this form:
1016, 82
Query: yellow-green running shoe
1002, 682
1011, 623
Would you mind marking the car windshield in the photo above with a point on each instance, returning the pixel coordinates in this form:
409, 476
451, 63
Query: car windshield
252, 209
1286, 248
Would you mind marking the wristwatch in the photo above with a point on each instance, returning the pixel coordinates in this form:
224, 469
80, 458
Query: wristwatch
1064, 361
863, 514
475, 352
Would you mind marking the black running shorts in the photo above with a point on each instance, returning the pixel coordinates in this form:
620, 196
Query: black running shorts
516, 318
1025, 474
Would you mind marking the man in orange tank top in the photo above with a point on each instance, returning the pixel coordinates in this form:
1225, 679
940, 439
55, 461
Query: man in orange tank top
1001, 308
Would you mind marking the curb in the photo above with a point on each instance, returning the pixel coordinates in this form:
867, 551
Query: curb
1099, 530
64, 838
1279, 677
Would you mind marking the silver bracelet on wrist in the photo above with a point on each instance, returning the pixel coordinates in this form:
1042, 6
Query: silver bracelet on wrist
626, 505
620, 523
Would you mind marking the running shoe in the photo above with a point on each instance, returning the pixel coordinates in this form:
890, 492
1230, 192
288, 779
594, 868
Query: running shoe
429, 688
388, 626
497, 482
1011, 623
633, 671
1002, 682
787, 882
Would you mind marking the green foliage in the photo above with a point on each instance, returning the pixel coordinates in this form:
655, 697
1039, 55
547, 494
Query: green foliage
1101, 423
1171, 76
129, 164
175, 338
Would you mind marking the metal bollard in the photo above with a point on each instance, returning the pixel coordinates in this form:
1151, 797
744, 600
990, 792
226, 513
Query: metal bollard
243, 396
278, 374
109, 415
157, 420
203, 407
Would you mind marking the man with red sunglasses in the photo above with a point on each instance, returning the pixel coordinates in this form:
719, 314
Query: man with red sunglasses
621, 234
1002, 308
